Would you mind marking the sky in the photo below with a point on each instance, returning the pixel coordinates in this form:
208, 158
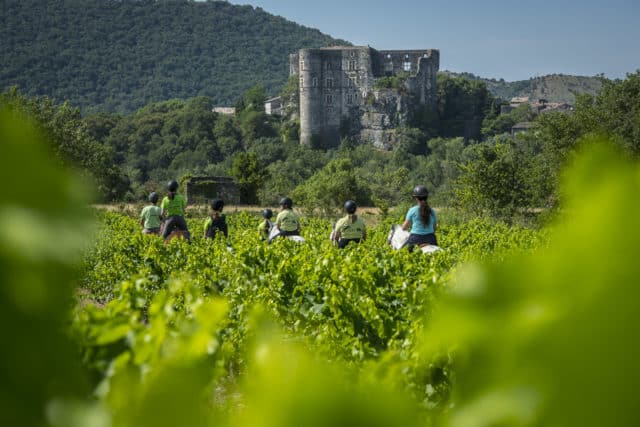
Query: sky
514, 40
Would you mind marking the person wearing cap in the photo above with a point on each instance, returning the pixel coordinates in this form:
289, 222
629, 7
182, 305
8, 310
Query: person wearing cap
287, 221
173, 207
265, 226
421, 219
349, 228
151, 216
216, 221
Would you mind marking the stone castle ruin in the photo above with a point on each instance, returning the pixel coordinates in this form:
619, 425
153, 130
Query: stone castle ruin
339, 95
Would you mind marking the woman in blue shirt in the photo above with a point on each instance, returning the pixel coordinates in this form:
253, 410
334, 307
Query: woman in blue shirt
421, 219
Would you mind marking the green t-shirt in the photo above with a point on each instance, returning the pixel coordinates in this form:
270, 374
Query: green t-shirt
349, 230
175, 206
287, 220
151, 215
211, 226
264, 228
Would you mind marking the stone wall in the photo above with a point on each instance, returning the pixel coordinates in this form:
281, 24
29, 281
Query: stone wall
383, 112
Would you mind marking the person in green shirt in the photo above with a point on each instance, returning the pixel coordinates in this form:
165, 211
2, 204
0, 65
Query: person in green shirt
265, 226
151, 216
173, 207
349, 228
287, 221
216, 221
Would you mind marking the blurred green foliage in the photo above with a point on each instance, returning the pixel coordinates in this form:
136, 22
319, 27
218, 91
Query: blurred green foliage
45, 228
550, 338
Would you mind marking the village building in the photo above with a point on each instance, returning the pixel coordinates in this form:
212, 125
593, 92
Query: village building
229, 111
273, 106
520, 127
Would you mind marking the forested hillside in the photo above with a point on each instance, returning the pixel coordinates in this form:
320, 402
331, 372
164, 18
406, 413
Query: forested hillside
118, 56
553, 88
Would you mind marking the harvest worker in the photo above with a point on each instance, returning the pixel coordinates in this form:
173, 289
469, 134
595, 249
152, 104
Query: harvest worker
265, 226
349, 228
151, 216
287, 221
421, 219
173, 206
216, 221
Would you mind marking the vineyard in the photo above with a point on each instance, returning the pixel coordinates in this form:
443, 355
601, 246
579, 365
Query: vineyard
103, 326
362, 307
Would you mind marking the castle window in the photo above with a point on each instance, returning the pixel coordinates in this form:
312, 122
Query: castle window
328, 99
301, 81
352, 65
314, 82
406, 66
329, 82
302, 65
388, 67
349, 99
327, 65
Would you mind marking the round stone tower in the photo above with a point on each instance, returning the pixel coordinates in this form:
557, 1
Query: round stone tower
311, 119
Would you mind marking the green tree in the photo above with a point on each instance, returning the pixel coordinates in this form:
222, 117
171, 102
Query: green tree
330, 187
290, 96
462, 105
254, 125
70, 141
617, 111
494, 182
388, 186
227, 135
251, 174
296, 165
252, 100
614, 112
503, 123
442, 166
410, 140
